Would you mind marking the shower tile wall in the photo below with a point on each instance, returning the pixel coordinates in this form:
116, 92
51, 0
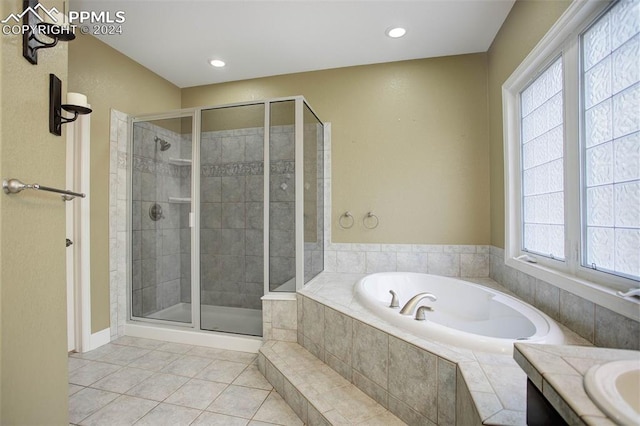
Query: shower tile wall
158, 248
118, 242
231, 217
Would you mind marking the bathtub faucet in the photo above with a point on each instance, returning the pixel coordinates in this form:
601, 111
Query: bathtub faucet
410, 306
394, 300
421, 311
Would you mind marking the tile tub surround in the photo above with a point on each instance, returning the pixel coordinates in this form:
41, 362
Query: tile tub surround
420, 381
279, 319
558, 373
438, 259
316, 393
599, 325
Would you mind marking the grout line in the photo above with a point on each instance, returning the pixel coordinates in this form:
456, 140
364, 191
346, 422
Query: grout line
164, 401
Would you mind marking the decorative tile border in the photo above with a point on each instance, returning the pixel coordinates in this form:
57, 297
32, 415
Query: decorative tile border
232, 169
150, 165
246, 168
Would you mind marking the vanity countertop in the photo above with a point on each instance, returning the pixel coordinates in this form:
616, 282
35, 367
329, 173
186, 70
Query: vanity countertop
558, 371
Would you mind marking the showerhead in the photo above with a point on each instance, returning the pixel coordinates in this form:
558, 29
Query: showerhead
164, 145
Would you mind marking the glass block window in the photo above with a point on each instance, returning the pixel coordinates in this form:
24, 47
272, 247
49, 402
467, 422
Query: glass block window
542, 141
611, 141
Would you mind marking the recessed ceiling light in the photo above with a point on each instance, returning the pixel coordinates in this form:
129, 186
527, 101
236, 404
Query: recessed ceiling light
396, 32
217, 63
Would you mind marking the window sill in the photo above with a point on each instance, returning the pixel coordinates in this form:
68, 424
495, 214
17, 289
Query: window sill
599, 295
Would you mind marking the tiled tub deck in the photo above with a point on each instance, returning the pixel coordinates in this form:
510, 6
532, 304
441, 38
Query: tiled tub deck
421, 382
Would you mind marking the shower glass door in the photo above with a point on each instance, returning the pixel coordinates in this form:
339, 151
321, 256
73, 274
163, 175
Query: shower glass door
160, 207
232, 219
313, 143
282, 196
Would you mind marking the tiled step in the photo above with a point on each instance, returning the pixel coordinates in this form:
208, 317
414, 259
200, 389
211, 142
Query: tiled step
318, 394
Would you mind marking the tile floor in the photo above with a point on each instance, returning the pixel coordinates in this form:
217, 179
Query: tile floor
151, 382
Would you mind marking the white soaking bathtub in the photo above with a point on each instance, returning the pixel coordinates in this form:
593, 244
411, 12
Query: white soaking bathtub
465, 314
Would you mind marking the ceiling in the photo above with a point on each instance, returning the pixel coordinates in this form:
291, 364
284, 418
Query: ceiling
258, 38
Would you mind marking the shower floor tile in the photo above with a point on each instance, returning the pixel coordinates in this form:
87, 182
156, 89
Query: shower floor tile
106, 388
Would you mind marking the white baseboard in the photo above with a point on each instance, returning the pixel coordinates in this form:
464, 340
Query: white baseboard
98, 339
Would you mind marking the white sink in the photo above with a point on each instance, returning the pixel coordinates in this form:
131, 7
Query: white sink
615, 388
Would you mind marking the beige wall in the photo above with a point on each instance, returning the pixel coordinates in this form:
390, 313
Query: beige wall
32, 262
4, 10
409, 142
110, 80
526, 24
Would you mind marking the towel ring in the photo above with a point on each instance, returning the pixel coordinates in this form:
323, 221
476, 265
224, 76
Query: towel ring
346, 224
372, 219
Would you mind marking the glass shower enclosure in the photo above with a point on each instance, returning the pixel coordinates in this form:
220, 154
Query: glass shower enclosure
212, 229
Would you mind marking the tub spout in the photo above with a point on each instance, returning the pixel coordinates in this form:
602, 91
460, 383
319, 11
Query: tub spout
394, 300
410, 306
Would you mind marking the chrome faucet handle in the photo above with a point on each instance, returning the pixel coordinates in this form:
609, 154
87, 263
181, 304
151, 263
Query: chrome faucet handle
395, 303
420, 312
631, 292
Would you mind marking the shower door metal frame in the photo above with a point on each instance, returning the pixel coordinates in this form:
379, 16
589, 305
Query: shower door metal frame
300, 103
194, 216
299, 197
194, 113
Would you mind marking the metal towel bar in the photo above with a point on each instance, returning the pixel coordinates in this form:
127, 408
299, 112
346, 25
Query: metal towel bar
14, 186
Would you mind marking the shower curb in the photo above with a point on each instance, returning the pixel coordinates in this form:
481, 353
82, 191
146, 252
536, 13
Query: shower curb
315, 392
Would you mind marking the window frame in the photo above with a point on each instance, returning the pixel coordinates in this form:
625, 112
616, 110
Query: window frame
562, 40
541, 258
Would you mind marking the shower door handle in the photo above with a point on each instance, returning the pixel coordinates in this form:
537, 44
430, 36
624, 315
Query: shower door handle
69, 242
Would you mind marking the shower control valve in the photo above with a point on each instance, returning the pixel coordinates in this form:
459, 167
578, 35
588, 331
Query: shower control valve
155, 212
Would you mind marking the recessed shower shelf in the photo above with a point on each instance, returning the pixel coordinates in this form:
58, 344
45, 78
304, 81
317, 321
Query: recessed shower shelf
180, 161
179, 200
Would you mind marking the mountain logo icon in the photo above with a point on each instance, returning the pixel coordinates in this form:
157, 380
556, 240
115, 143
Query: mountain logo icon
51, 13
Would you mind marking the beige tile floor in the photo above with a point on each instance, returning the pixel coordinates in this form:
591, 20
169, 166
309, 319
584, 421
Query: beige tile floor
151, 382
